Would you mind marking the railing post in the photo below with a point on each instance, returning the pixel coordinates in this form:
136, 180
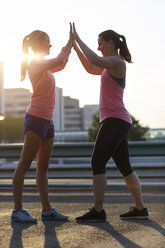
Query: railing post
3, 161
60, 160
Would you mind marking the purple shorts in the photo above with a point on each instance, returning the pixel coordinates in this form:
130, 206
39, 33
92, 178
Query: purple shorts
42, 127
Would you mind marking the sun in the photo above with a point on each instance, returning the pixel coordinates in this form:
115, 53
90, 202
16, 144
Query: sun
11, 60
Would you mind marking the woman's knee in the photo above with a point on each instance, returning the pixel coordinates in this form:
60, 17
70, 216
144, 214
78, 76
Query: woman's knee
24, 165
125, 170
97, 167
42, 167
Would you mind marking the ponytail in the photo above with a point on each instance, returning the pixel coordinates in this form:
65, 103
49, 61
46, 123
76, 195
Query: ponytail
123, 50
24, 63
120, 43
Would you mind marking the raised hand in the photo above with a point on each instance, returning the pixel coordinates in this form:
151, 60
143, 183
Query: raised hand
76, 36
71, 38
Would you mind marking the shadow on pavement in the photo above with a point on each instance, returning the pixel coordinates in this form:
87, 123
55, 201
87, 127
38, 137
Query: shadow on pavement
149, 223
50, 233
106, 226
16, 238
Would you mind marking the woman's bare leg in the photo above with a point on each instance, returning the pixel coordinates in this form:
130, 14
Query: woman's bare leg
134, 187
32, 143
99, 187
43, 157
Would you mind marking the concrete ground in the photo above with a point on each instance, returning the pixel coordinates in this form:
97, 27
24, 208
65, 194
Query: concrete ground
114, 233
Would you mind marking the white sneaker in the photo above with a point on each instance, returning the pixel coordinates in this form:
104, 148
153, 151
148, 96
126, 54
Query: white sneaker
22, 216
53, 214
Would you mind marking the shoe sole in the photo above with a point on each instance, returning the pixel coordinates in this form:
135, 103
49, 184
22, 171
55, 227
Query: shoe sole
135, 218
94, 220
51, 219
22, 221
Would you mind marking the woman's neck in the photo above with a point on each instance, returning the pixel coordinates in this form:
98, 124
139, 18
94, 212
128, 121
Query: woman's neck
113, 53
38, 56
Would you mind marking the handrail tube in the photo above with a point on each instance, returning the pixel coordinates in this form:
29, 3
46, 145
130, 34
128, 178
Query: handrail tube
63, 150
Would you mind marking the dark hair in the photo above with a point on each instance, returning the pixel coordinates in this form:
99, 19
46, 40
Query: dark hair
120, 43
30, 40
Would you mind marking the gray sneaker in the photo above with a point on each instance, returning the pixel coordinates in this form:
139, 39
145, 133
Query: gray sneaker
53, 214
22, 216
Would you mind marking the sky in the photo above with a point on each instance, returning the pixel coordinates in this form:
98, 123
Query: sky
140, 21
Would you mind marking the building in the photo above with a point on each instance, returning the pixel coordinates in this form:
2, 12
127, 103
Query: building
58, 116
73, 118
71, 122
88, 112
17, 101
71, 136
2, 100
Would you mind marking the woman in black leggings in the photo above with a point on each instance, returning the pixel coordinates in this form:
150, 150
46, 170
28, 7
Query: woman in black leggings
115, 121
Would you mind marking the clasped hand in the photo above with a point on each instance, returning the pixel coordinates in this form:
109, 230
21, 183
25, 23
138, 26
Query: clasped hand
73, 36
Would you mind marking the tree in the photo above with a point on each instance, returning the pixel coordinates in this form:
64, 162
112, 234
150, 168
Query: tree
12, 129
92, 132
136, 133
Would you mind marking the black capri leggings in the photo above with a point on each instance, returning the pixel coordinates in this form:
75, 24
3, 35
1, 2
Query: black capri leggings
112, 142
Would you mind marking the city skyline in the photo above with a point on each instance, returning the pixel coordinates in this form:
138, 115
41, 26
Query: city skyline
140, 21
71, 121
68, 115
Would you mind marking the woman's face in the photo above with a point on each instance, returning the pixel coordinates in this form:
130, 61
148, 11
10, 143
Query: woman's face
45, 46
104, 47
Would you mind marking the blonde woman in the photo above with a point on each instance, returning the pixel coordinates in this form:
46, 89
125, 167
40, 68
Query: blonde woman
38, 125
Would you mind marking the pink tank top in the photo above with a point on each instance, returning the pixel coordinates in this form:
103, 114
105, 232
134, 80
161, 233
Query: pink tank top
111, 99
43, 84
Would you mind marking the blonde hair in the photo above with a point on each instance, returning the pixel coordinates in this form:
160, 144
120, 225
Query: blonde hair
30, 40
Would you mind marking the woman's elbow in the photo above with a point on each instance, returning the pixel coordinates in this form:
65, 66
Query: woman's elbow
61, 61
89, 69
92, 61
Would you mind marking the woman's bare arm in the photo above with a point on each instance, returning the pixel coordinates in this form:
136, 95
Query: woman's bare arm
85, 62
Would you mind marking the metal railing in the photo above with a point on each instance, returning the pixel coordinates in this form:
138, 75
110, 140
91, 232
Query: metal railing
71, 161
137, 148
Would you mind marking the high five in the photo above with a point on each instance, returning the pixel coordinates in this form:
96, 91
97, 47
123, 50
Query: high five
38, 124
111, 141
